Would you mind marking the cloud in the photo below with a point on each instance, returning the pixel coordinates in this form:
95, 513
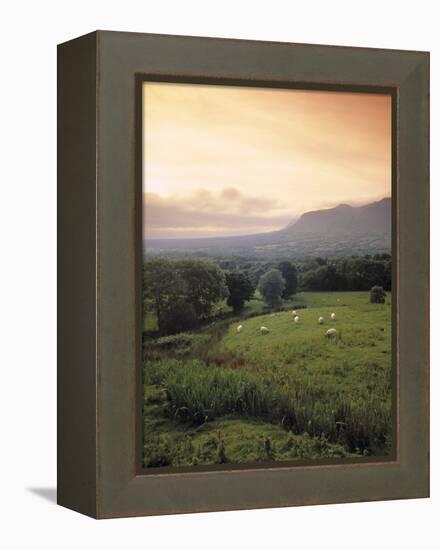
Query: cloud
230, 160
228, 200
202, 213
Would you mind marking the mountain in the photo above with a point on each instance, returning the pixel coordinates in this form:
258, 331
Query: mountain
374, 218
340, 231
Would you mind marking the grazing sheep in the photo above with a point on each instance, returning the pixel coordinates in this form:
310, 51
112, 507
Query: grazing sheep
333, 316
294, 312
264, 330
296, 319
239, 328
321, 320
331, 332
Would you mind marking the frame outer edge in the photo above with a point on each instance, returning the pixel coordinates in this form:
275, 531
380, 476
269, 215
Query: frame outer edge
123, 495
77, 270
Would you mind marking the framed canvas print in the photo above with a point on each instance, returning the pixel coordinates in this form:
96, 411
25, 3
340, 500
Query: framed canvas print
243, 274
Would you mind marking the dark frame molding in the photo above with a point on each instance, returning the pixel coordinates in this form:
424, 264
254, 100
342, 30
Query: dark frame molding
99, 222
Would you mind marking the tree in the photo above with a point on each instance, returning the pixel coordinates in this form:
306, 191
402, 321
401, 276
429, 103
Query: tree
377, 295
162, 288
178, 317
240, 289
271, 286
290, 275
324, 278
204, 285
387, 276
181, 292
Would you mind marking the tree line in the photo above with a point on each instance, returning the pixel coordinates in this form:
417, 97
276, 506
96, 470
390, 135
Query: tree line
325, 274
182, 292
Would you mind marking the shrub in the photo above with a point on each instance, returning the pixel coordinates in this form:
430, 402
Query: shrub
221, 453
175, 341
157, 453
377, 295
265, 450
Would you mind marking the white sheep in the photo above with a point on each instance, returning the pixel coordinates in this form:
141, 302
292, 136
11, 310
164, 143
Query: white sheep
239, 328
321, 320
296, 319
331, 332
333, 316
294, 312
264, 330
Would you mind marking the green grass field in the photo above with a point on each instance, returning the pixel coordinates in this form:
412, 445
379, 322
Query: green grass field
218, 395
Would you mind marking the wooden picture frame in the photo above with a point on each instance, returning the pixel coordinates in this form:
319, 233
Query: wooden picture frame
99, 306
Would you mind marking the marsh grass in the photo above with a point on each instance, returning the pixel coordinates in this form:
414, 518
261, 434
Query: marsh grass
197, 394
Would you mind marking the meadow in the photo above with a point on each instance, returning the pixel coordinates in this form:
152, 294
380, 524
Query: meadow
215, 395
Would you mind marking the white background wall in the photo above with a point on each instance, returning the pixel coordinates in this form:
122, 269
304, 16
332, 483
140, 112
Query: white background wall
30, 31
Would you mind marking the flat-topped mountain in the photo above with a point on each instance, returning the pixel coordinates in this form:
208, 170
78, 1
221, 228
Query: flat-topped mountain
340, 231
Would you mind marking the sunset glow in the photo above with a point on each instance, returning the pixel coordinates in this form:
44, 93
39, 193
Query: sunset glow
227, 160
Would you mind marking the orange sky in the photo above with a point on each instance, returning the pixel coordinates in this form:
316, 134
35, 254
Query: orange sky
227, 160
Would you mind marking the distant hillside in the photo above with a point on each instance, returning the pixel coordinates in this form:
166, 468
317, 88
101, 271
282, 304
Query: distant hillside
373, 218
340, 231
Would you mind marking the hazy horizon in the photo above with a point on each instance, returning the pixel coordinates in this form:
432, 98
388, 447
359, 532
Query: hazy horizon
292, 221
229, 161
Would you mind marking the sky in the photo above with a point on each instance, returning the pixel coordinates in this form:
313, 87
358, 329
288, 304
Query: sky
229, 160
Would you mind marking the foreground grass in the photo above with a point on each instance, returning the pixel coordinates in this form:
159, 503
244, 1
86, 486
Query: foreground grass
334, 395
227, 440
